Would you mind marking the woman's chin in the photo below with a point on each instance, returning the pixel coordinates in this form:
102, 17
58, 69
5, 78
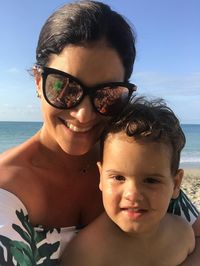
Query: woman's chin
77, 150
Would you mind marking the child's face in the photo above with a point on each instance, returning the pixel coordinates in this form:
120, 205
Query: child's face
136, 182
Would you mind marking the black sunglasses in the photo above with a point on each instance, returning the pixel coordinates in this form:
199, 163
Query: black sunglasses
63, 91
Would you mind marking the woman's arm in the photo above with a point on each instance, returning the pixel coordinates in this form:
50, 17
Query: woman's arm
196, 227
194, 258
182, 206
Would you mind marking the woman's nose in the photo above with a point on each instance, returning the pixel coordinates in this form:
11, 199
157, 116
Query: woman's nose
84, 112
133, 192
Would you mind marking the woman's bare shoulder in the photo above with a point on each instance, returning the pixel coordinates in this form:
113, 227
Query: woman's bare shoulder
19, 176
19, 152
15, 163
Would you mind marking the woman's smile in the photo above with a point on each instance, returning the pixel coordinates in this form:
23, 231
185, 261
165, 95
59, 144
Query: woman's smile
77, 128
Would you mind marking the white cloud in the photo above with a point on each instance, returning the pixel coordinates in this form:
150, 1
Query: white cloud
166, 85
181, 92
20, 113
13, 70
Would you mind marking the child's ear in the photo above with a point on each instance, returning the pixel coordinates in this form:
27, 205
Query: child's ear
177, 183
100, 167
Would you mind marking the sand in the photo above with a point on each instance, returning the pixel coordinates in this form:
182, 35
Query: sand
191, 185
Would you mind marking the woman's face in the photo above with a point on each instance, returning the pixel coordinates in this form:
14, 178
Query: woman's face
76, 130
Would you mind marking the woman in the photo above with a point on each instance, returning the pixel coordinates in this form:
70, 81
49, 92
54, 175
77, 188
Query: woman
49, 184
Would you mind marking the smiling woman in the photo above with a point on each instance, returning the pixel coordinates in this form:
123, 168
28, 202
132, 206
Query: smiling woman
49, 183
79, 116
81, 76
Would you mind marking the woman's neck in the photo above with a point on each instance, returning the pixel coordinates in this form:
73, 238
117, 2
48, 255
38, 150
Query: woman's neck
52, 156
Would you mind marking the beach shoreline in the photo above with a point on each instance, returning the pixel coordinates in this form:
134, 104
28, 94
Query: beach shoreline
191, 185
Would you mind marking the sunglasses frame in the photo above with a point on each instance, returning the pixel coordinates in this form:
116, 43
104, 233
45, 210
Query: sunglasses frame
90, 91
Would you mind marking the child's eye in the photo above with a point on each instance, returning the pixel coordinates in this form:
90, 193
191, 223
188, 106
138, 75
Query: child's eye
151, 180
119, 178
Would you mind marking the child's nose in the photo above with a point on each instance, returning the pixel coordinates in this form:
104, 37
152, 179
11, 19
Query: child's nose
133, 192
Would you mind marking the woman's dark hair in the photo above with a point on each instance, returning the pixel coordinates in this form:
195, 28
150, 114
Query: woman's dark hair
85, 22
149, 121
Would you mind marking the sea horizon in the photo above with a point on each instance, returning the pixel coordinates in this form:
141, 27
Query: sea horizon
13, 133
21, 121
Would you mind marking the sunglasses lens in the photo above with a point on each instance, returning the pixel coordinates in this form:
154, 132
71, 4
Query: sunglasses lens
62, 92
111, 100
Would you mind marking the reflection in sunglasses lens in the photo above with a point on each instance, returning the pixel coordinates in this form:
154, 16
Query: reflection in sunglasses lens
111, 100
62, 92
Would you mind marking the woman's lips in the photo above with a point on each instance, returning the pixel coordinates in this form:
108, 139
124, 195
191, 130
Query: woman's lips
76, 129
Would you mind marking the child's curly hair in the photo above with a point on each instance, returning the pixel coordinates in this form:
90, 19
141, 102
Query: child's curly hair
149, 120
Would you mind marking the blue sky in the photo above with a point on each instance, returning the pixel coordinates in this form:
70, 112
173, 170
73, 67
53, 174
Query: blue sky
167, 63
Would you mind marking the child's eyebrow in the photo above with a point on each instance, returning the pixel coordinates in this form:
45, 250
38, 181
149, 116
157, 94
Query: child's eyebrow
114, 171
155, 175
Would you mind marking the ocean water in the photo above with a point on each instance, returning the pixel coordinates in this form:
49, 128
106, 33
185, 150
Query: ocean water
14, 133
190, 156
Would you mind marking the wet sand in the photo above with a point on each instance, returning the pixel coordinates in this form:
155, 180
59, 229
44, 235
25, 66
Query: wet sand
191, 185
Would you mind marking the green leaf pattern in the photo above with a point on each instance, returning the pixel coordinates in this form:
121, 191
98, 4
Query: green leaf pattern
32, 250
183, 207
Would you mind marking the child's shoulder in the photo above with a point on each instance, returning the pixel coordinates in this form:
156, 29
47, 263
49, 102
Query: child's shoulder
177, 222
175, 240
179, 231
87, 247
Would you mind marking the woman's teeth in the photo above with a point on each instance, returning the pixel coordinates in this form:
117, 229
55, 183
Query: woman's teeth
77, 129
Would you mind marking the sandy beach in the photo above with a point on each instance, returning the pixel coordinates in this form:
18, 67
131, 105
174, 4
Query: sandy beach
191, 185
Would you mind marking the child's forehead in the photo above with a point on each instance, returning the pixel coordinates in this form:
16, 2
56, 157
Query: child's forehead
115, 138
125, 153
121, 139
119, 136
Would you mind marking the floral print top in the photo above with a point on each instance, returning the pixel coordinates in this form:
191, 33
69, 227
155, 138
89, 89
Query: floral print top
21, 244
25, 245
